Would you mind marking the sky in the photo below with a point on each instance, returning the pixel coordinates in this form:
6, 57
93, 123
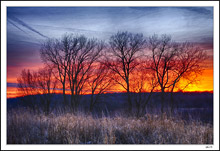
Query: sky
29, 27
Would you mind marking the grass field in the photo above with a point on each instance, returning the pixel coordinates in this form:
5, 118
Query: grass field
25, 127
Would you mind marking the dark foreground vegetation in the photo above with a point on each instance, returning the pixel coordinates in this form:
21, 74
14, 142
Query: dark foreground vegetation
109, 123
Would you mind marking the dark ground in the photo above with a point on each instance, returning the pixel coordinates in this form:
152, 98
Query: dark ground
193, 105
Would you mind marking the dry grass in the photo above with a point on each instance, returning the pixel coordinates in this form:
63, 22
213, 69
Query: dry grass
24, 127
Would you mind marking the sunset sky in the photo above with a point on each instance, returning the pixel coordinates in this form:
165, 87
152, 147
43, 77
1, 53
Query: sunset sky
29, 27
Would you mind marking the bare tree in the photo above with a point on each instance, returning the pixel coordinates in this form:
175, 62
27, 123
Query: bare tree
143, 84
123, 58
163, 55
35, 86
188, 65
83, 55
99, 82
28, 88
172, 62
46, 84
56, 53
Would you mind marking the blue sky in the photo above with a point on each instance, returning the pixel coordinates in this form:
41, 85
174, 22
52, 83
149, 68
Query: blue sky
28, 27
183, 23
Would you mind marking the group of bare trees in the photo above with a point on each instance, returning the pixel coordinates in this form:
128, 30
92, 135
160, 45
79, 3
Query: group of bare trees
37, 82
129, 61
73, 59
172, 62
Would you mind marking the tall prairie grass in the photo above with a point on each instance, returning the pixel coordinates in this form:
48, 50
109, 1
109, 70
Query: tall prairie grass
25, 127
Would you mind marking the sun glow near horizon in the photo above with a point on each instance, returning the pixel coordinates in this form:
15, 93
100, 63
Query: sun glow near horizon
204, 84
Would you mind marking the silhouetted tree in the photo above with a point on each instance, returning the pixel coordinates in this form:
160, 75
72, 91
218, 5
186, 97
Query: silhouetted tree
122, 58
163, 55
172, 62
37, 85
143, 84
188, 65
83, 55
56, 53
28, 88
46, 84
99, 82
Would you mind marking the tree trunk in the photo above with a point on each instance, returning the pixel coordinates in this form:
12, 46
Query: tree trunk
162, 100
129, 97
172, 100
48, 101
64, 94
76, 97
129, 101
146, 102
72, 100
91, 103
48, 106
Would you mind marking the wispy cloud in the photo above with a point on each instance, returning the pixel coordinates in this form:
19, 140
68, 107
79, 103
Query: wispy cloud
100, 34
16, 26
18, 21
